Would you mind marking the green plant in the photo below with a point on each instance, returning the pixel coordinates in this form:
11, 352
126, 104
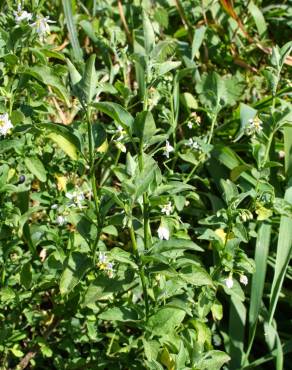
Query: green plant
142, 186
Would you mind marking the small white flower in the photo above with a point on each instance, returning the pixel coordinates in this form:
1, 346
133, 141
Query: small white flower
193, 144
42, 26
243, 279
120, 133
61, 220
281, 154
229, 282
168, 149
43, 254
21, 15
76, 199
190, 124
167, 209
104, 265
54, 206
163, 232
5, 124
102, 258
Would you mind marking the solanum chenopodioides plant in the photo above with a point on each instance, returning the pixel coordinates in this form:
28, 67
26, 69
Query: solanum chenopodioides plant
119, 234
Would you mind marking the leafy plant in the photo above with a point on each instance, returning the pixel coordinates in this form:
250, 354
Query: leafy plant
145, 185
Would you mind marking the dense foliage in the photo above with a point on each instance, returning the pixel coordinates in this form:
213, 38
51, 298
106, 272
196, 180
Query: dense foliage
146, 201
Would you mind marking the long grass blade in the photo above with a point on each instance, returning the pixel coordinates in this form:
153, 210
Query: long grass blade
73, 35
258, 280
237, 321
284, 247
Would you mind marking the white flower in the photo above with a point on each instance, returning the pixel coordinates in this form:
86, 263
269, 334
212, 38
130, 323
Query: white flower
120, 133
243, 279
76, 199
42, 26
103, 264
54, 206
193, 144
190, 124
21, 15
163, 232
168, 149
281, 154
102, 258
255, 126
43, 254
5, 124
229, 282
61, 220
167, 209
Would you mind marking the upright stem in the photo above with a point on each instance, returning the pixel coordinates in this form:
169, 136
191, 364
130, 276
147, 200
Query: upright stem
93, 182
141, 269
202, 156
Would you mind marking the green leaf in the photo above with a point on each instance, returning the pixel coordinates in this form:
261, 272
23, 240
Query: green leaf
88, 83
195, 275
213, 360
258, 19
165, 320
47, 76
64, 144
117, 113
149, 35
64, 137
166, 67
6, 145
122, 314
74, 268
144, 126
36, 167
197, 40
175, 244
26, 275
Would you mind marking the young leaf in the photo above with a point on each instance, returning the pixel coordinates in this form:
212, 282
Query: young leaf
36, 167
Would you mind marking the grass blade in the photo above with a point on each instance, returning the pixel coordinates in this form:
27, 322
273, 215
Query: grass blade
73, 35
284, 247
258, 280
237, 321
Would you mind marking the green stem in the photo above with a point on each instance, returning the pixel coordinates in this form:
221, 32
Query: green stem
141, 268
270, 140
93, 183
212, 128
202, 156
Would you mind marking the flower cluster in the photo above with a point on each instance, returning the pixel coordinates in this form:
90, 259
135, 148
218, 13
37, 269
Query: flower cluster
120, 136
229, 281
5, 124
76, 199
21, 15
41, 24
104, 265
193, 144
255, 126
167, 209
194, 119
